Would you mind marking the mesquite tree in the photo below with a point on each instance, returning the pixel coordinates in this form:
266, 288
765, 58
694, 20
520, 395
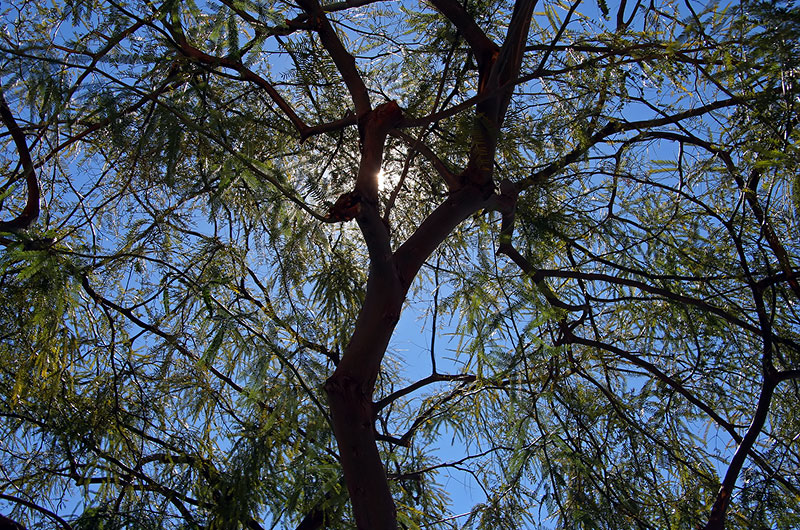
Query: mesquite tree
584, 217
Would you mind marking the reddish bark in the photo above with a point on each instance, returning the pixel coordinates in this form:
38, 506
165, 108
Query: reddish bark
350, 388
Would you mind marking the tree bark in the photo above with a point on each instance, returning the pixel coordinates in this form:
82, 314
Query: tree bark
9, 524
350, 390
31, 210
716, 520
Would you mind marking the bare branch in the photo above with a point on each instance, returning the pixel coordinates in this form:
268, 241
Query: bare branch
716, 520
170, 338
425, 381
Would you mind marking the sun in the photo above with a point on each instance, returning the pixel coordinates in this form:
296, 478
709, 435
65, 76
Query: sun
382, 180
388, 178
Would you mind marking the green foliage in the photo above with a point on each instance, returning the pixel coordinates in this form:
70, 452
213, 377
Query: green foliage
168, 324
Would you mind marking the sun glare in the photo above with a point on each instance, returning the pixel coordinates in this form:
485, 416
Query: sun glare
382, 183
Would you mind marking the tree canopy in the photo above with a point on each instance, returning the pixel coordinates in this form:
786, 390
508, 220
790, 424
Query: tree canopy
215, 213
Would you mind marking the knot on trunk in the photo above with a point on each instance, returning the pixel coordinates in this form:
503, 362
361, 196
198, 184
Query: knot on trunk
346, 208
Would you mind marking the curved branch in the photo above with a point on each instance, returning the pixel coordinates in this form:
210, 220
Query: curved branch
9, 524
36, 507
441, 168
549, 49
661, 376
748, 189
437, 227
186, 48
482, 46
344, 60
716, 520
669, 295
31, 210
169, 337
425, 381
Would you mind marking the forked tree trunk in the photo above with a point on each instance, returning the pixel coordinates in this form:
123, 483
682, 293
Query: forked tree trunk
350, 388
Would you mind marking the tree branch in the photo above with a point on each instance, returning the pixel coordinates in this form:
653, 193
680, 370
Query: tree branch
61, 522
425, 381
185, 47
170, 338
31, 210
786, 375
549, 49
482, 46
441, 168
437, 227
748, 189
716, 520
344, 61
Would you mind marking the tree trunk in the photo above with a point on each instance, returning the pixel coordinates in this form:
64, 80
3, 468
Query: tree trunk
353, 425
350, 391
